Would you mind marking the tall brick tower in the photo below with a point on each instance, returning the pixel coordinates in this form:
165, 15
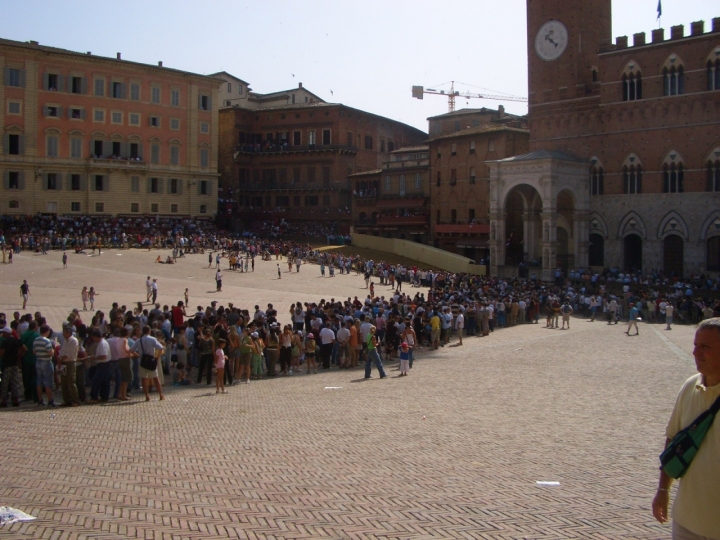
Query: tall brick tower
564, 38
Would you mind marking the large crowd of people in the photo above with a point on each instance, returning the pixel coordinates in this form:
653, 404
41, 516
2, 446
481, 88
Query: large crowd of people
143, 348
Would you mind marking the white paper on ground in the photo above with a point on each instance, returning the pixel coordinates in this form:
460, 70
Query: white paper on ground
333, 388
11, 515
547, 483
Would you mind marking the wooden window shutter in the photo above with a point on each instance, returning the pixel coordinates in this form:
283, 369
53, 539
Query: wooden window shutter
160, 185
149, 185
44, 180
60, 80
106, 182
21, 180
6, 143
83, 87
58, 181
6, 179
180, 183
45, 80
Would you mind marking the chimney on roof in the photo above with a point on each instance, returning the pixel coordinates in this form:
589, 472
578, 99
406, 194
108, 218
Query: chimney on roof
299, 85
34, 42
160, 63
501, 111
88, 53
119, 57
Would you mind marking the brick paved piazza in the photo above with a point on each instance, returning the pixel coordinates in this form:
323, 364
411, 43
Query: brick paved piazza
452, 451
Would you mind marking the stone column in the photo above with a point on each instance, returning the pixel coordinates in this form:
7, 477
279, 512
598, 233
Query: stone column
549, 245
581, 234
497, 244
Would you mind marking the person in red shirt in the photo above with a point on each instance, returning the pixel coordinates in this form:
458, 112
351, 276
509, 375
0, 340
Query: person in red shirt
178, 320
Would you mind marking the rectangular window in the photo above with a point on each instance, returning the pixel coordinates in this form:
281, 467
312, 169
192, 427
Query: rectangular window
75, 207
391, 146
99, 207
99, 182
76, 148
77, 114
52, 111
117, 150
173, 208
418, 180
297, 138
453, 216
154, 208
453, 177
204, 102
98, 150
471, 215
326, 135
14, 77
204, 158
135, 151
453, 149
311, 200
75, 182
53, 82
99, 116
135, 91
52, 146
14, 107
154, 185
204, 127
368, 142
382, 145
134, 119
118, 90
311, 137
13, 180
472, 175
174, 186
134, 207
100, 87
135, 184
155, 94
175, 98
387, 183
154, 121
116, 117
52, 181
155, 153
472, 147
76, 85
13, 144
438, 180
174, 155
204, 189
175, 124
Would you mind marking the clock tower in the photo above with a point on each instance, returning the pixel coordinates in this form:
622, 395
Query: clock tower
564, 39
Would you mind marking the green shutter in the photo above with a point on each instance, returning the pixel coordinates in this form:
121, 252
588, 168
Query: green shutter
160, 186
59, 182
60, 83
6, 143
21, 180
180, 183
45, 81
6, 177
44, 180
83, 182
106, 182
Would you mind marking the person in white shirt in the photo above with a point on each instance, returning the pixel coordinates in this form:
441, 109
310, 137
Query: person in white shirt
669, 312
327, 340
147, 345
67, 358
460, 325
343, 340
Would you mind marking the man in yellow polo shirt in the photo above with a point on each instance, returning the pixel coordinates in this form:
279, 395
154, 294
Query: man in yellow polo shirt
696, 514
435, 330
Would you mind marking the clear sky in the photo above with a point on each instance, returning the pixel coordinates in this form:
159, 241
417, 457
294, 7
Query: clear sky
369, 53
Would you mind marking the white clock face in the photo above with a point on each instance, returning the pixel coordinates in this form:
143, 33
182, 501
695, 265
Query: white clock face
551, 40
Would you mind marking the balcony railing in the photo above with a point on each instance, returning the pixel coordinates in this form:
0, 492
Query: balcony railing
397, 220
283, 149
463, 227
118, 163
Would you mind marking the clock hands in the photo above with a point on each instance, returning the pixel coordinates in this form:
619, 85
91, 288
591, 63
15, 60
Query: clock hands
548, 38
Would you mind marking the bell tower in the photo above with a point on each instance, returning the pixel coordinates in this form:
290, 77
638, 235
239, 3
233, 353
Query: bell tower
564, 39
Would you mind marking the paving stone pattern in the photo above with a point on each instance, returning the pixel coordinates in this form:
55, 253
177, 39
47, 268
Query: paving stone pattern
452, 451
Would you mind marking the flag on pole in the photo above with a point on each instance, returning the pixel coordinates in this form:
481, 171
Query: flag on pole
659, 9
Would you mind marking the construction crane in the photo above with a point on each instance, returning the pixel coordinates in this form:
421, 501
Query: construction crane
418, 92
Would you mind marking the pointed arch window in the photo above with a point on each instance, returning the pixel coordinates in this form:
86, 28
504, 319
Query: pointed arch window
713, 70
673, 81
632, 85
632, 179
673, 174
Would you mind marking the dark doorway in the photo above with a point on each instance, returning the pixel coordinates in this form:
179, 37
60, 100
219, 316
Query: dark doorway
632, 252
673, 255
596, 255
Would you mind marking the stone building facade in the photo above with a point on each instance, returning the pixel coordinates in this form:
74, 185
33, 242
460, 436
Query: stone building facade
624, 162
84, 134
294, 161
394, 201
459, 177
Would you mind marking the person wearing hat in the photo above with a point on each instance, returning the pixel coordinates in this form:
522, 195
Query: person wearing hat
404, 359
